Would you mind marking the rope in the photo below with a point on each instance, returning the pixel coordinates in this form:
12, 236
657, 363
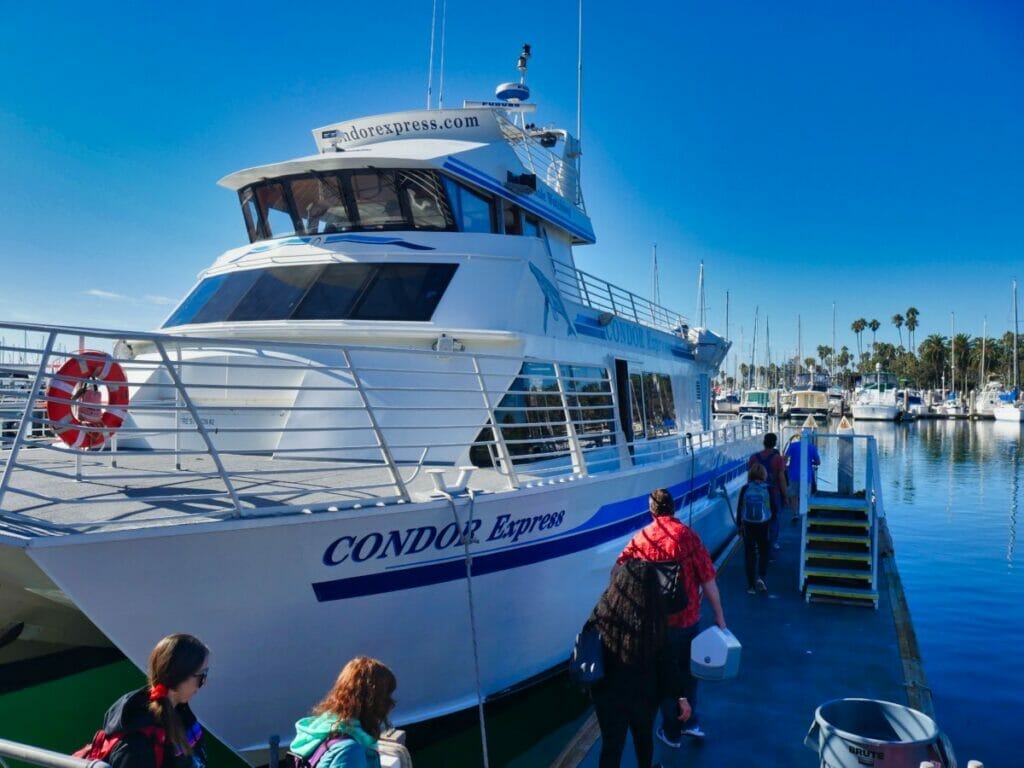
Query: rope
463, 533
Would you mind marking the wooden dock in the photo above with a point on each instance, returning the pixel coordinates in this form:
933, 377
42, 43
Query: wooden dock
796, 656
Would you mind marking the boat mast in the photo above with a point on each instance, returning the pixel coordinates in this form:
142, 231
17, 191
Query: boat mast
1016, 362
700, 297
655, 288
832, 357
984, 333
952, 353
753, 354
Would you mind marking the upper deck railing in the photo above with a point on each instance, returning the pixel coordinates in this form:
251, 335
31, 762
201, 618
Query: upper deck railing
560, 172
603, 296
221, 428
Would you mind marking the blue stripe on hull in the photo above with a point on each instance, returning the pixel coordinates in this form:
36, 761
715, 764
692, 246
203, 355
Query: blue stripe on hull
606, 524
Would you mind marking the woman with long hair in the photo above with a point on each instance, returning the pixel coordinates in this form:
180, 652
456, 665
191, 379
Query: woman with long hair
350, 718
639, 673
155, 723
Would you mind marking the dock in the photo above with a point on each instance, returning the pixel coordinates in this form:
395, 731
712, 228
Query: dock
796, 656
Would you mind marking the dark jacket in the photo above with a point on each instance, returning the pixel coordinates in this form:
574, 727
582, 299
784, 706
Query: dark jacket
129, 714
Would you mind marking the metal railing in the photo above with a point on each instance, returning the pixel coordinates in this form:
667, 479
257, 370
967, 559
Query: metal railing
221, 428
44, 757
559, 172
601, 295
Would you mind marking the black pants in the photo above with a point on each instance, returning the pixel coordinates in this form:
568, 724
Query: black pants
617, 712
756, 550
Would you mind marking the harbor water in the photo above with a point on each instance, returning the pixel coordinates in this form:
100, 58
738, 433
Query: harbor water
952, 491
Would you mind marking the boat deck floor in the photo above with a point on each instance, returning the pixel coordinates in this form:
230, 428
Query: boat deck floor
142, 489
796, 656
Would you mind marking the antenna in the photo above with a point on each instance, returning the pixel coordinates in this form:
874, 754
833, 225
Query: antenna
700, 296
444, 27
579, 78
430, 62
655, 288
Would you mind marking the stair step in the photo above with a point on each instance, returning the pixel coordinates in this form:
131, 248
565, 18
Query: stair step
839, 503
843, 593
852, 538
825, 554
837, 573
838, 522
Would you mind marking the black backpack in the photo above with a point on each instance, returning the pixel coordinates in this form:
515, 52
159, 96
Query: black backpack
673, 591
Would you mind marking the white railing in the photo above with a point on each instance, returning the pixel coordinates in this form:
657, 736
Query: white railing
221, 428
603, 296
557, 171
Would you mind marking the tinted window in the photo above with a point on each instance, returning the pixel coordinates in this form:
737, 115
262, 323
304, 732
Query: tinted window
276, 293
334, 293
472, 212
404, 292
318, 292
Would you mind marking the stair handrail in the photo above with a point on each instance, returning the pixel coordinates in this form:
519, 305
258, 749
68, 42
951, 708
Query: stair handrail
876, 507
47, 758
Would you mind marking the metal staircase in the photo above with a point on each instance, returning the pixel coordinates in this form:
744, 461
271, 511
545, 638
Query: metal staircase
839, 542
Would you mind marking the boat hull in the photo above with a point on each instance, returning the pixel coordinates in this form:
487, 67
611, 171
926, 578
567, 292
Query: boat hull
875, 412
285, 602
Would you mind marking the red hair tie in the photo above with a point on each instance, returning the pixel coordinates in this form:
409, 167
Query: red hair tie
157, 692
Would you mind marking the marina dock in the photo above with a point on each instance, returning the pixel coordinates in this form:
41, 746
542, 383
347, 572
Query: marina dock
796, 656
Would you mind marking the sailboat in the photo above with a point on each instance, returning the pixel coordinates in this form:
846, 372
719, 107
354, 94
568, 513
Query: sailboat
1013, 409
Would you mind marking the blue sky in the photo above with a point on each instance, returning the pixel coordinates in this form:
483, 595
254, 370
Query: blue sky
868, 154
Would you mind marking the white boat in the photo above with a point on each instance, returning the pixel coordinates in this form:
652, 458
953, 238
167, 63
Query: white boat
1011, 408
397, 422
727, 402
986, 400
876, 400
810, 397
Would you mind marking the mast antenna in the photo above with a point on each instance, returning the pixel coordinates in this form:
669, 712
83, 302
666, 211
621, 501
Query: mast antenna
700, 297
655, 287
444, 26
430, 61
579, 77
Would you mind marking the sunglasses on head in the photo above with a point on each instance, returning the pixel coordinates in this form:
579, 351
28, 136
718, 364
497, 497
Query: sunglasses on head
201, 677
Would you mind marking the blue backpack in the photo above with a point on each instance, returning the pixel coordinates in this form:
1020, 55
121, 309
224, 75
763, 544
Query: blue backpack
757, 506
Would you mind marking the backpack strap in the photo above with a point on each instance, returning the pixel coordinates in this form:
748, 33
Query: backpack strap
157, 736
320, 751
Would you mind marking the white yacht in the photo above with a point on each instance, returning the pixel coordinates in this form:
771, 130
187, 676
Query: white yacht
986, 400
810, 397
876, 400
396, 421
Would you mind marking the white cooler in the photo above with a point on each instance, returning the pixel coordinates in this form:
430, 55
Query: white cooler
715, 655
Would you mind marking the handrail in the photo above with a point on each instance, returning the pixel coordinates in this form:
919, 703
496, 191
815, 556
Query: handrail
599, 294
335, 428
45, 757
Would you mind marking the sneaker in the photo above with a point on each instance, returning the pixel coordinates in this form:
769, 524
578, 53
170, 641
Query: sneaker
751, 591
660, 733
760, 586
694, 731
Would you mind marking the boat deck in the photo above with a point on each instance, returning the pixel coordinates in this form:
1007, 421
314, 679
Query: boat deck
796, 656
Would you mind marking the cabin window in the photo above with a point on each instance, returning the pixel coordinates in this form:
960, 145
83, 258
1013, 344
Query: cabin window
588, 393
472, 211
653, 406
382, 291
531, 225
512, 218
341, 201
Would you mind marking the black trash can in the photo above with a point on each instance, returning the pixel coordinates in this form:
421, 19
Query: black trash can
854, 733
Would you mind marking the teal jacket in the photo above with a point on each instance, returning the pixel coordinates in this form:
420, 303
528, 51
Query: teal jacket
357, 751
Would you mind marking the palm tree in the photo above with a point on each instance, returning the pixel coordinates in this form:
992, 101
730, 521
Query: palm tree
897, 320
874, 325
933, 359
808, 362
858, 326
824, 353
912, 314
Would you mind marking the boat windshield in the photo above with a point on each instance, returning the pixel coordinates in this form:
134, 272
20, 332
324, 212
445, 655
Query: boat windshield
382, 291
345, 201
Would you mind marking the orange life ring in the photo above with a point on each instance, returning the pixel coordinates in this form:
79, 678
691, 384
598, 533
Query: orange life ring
78, 415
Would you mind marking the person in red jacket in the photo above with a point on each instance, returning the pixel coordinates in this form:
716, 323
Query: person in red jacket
667, 538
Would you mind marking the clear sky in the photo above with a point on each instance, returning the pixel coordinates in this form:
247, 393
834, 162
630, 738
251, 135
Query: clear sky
869, 154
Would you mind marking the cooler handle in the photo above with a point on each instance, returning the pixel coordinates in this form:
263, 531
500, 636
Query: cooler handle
811, 740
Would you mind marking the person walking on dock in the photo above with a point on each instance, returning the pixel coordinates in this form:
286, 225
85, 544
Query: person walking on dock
667, 538
794, 470
755, 515
343, 730
778, 488
638, 670
153, 727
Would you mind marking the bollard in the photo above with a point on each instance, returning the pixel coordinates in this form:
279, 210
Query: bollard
844, 482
